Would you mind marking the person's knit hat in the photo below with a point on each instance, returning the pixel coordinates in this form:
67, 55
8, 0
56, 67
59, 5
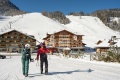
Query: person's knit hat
27, 46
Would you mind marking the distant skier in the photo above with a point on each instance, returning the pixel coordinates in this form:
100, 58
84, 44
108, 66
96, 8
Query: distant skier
42, 51
26, 56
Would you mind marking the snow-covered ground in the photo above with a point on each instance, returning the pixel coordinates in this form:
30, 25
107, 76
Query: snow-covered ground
60, 68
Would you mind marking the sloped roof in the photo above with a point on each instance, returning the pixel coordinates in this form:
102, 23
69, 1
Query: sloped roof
66, 31
9, 30
6, 31
105, 43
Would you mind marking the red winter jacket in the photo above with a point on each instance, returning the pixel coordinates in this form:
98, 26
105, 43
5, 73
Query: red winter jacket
42, 51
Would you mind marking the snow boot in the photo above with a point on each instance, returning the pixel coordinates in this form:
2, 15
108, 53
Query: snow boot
26, 75
46, 73
41, 72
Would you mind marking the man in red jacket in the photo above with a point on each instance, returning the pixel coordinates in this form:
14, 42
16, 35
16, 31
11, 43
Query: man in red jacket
42, 51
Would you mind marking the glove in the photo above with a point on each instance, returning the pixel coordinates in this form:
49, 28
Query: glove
31, 60
36, 59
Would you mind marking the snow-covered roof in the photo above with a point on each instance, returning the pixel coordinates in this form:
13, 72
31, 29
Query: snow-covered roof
67, 31
5, 31
106, 44
9, 30
103, 44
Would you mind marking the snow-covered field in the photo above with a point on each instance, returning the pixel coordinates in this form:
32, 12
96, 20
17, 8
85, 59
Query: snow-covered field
60, 68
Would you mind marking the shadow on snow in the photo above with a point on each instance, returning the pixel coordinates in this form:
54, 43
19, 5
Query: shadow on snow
70, 72
33, 75
55, 73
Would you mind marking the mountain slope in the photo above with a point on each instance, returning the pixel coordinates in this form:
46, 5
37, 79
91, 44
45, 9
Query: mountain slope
37, 24
91, 27
9, 9
107, 16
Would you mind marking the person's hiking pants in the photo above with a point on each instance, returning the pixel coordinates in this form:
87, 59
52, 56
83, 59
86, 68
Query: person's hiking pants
43, 59
25, 67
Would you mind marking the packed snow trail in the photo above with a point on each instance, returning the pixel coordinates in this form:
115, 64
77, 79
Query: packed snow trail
60, 69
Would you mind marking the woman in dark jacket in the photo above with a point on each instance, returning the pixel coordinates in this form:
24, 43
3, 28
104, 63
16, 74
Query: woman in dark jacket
26, 57
42, 51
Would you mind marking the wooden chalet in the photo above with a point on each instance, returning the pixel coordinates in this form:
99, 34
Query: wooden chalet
14, 41
101, 49
102, 46
63, 39
105, 45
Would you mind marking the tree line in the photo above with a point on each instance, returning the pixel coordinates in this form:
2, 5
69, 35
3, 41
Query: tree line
107, 16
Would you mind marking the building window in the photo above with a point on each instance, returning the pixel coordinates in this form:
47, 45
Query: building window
34, 42
5, 36
24, 37
1, 36
75, 37
7, 40
52, 36
29, 41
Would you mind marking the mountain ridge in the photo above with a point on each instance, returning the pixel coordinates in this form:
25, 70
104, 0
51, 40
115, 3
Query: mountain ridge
9, 9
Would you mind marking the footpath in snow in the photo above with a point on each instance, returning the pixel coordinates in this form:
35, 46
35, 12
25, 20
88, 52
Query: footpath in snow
60, 69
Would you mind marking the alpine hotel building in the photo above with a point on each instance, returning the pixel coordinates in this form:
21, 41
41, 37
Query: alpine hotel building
14, 41
64, 39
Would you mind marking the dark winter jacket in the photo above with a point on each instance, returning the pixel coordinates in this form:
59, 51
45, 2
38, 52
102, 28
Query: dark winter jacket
26, 55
